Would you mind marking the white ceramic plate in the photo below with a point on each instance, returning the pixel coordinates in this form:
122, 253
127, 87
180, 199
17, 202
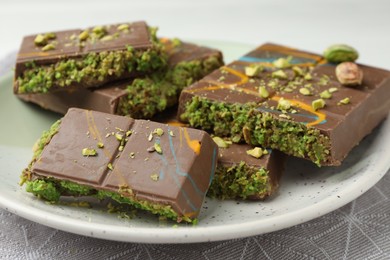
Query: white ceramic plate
306, 191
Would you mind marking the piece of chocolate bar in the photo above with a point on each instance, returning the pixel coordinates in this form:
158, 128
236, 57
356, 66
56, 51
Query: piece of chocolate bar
240, 175
164, 169
288, 100
144, 96
86, 58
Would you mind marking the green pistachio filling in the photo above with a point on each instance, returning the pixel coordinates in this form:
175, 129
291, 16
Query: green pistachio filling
259, 128
240, 181
51, 190
93, 69
152, 94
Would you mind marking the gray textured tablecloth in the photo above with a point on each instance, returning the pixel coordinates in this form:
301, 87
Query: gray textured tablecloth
359, 230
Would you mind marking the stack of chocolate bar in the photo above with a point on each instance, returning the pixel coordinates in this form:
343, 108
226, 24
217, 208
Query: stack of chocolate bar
272, 102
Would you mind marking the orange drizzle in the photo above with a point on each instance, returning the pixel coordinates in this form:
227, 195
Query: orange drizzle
193, 144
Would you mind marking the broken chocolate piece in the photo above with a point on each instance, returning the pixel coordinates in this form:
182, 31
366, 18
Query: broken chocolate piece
229, 103
171, 182
144, 96
239, 175
86, 58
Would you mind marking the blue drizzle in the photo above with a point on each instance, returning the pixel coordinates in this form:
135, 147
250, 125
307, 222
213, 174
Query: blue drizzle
213, 165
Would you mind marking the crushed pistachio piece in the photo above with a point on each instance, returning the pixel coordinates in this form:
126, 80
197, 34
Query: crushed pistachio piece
171, 133
50, 36
107, 38
150, 137
344, 101
128, 133
123, 27
332, 90
298, 71
88, 152
308, 76
304, 91
220, 142
279, 74
176, 42
283, 104
84, 35
318, 103
99, 30
263, 92
132, 155
325, 94
256, 152
157, 147
323, 80
118, 136
282, 63
288, 90
284, 116
40, 40
120, 148
100, 145
109, 166
253, 70
49, 47
158, 131
154, 177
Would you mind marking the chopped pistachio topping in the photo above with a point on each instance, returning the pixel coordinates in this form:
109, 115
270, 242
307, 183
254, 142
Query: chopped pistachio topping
282, 63
50, 36
287, 89
176, 42
49, 47
256, 152
109, 166
100, 145
84, 35
118, 136
304, 91
120, 148
107, 38
308, 76
220, 142
298, 71
323, 80
154, 177
253, 70
128, 133
132, 155
157, 147
158, 131
150, 137
284, 116
123, 27
279, 74
171, 133
40, 40
325, 94
344, 101
263, 92
332, 90
283, 104
318, 103
89, 152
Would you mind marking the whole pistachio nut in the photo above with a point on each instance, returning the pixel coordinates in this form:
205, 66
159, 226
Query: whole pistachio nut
340, 52
349, 74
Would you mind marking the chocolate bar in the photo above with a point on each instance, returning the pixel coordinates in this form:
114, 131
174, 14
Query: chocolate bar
86, 58
289, 100
240, 175
164, 169
144, 96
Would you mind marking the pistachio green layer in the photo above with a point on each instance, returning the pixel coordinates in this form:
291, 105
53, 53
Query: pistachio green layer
262, 128
240, 181
152, 94
93, 69
51, 190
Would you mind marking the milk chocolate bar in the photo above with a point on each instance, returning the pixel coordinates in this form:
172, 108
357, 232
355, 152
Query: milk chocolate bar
164, 169
144, 96
86, 58
239, 175
289, 100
